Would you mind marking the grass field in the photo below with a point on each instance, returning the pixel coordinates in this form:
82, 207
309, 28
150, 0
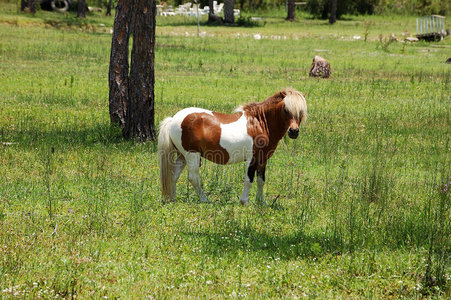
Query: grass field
359, 204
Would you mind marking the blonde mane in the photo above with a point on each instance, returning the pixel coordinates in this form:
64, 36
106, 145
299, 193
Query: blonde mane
295, 104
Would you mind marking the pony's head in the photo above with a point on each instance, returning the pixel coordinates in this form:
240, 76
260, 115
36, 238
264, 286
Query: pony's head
295, 108
281, 113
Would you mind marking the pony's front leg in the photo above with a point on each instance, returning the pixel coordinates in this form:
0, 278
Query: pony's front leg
244, 199
260, 183
193, 162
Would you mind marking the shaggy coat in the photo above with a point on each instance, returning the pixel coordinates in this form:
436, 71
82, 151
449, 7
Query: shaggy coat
250, 134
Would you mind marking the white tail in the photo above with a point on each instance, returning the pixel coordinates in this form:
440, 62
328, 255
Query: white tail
166, 151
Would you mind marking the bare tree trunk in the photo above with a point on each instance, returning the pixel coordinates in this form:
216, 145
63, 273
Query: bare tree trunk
325, 11
108, 8
228, 11
211, 11
290, 9
140, 105
211, 14
333, 12
81, 9
118, 73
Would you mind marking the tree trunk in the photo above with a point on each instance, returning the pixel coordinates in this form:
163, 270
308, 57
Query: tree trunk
290, 9
81, 9
211, 14
333, 12
140, 105
211, 11
108, 8
228, 11
325, 11
118, 73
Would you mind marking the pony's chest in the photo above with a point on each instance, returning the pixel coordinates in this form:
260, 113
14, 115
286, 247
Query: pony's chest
235, 139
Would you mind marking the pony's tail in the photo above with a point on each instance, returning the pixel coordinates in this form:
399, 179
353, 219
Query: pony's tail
166, 151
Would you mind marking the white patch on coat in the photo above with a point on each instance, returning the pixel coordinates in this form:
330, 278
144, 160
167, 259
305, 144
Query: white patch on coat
236, 141
239, 109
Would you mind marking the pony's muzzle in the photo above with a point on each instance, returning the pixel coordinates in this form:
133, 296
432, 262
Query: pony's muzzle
293, 133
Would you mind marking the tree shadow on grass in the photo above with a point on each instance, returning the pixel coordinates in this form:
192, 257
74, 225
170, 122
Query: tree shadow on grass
64, 137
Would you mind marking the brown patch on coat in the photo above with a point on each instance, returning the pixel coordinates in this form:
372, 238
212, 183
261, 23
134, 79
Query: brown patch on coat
227, 118
201, 132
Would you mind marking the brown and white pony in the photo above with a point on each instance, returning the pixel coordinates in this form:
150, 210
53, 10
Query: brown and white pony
250, 134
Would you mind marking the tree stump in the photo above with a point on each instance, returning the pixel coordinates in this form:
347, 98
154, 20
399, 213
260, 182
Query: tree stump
320, 68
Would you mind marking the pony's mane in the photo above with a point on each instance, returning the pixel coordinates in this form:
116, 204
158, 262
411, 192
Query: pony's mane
294, 103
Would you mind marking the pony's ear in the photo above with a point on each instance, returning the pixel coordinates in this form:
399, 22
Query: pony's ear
283, 94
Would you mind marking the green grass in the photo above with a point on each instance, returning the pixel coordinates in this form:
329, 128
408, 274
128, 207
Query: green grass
360, 201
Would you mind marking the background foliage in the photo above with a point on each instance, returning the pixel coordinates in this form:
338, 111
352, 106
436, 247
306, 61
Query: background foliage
321, 8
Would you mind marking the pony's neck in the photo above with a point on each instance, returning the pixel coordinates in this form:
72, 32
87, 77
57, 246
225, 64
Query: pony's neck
271, 119
277, 124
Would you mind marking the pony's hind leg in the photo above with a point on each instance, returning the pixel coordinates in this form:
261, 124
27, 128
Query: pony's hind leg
193, 162
179, 165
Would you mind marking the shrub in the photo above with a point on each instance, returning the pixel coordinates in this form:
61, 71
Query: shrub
321, 8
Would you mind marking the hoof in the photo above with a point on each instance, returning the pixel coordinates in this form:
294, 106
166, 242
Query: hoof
260, 201
244, 202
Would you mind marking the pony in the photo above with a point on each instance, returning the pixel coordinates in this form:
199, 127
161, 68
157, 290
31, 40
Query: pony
250, 134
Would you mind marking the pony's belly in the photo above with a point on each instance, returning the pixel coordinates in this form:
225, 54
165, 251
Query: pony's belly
238, 154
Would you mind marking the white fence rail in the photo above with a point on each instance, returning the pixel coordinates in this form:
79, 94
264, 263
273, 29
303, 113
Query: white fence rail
431, 27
